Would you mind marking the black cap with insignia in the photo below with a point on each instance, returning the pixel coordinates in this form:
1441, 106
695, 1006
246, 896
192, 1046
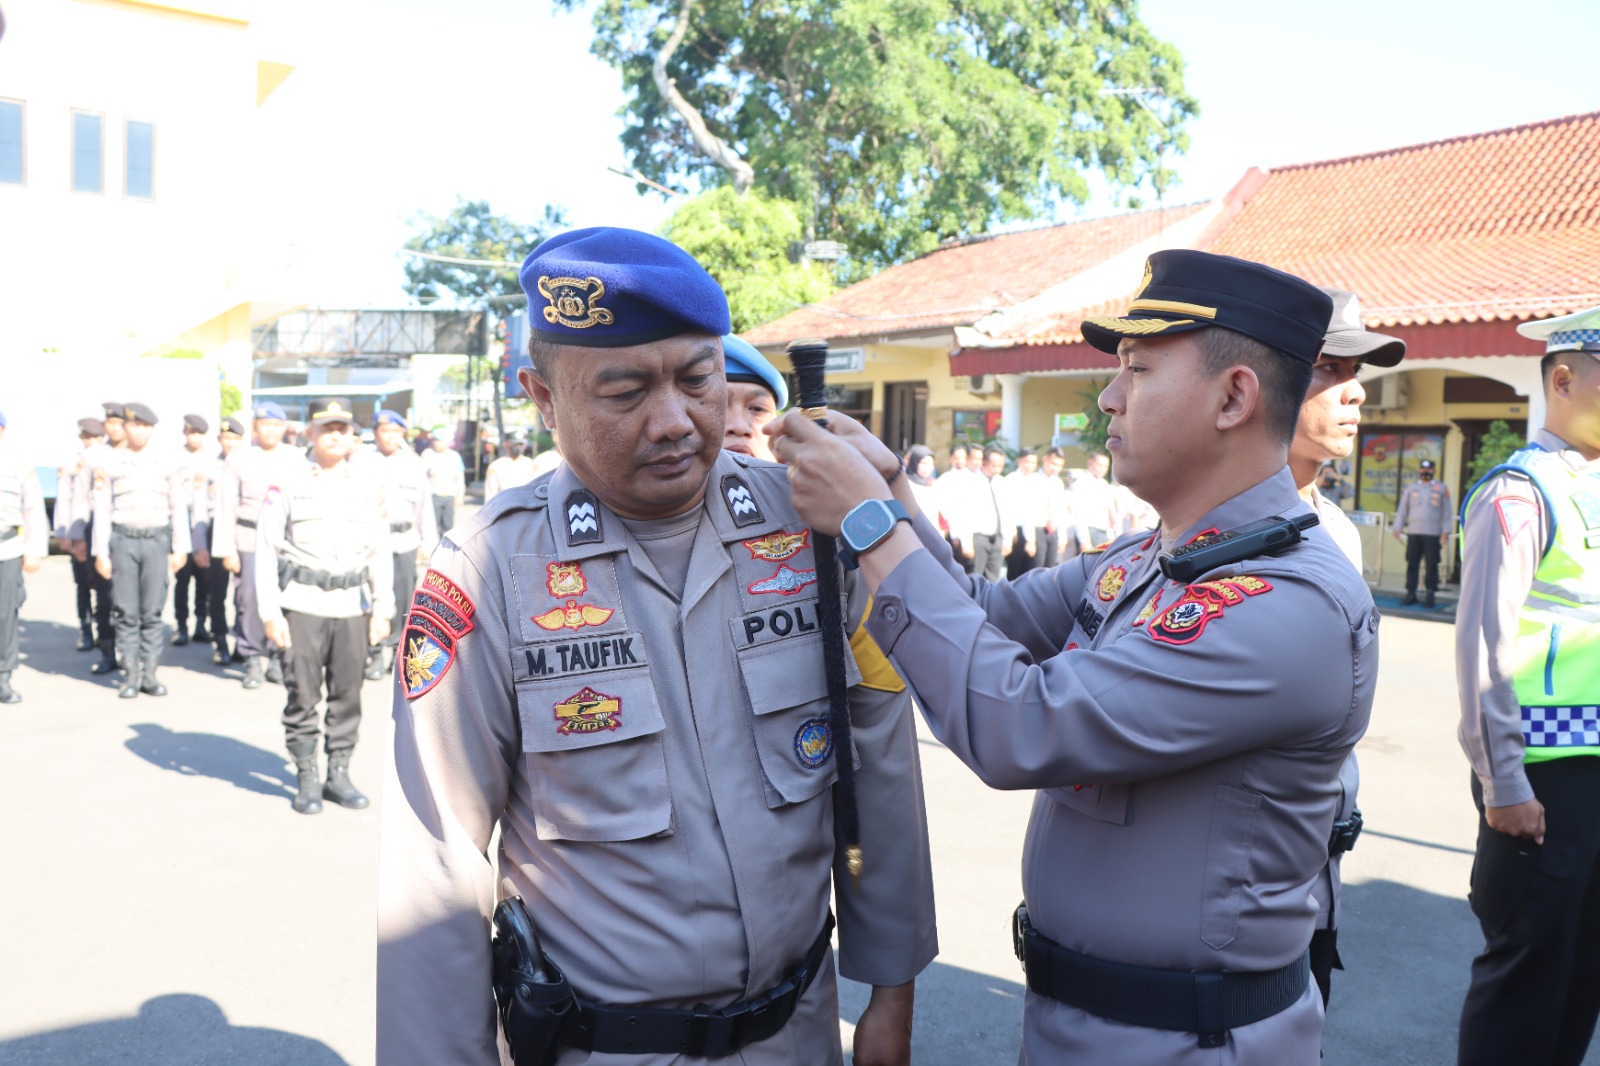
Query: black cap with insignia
195, 424
331, 409
112, 410
138, 412
1186, 290
91, 427
232, 425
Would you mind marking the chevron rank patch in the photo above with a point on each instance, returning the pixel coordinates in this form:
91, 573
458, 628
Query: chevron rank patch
741, 503
583, 518
1200, 604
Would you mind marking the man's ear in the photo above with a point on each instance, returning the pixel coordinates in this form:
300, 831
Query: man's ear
538, 391
1241, 392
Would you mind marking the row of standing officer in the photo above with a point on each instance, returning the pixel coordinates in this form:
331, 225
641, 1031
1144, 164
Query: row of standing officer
24, 540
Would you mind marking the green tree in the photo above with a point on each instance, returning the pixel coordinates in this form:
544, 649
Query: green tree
232, 400
1092, 438
744, 242
895, 124
472, 231
1495, 448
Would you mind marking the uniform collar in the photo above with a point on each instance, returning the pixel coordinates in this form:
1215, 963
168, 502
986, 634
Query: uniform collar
1570, 455
1276, 495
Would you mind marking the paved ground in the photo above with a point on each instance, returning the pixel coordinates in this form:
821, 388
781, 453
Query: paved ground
165, 906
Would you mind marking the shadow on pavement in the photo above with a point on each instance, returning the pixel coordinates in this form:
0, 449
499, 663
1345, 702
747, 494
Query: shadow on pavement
51, 648
208, 755
174, 1030
963, 1018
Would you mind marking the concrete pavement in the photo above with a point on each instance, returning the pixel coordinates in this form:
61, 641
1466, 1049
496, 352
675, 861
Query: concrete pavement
165, 906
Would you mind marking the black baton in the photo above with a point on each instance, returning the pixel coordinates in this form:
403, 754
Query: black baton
809, 357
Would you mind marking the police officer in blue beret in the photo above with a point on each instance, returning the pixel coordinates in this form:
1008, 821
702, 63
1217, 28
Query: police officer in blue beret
620, 665
756, 394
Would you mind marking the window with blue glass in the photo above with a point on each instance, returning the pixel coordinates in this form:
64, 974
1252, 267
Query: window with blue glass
88, 152
11, 171
140, 182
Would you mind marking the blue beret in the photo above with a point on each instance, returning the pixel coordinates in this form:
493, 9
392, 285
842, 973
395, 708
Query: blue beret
388, 417
605, 287
744, 363
269, 410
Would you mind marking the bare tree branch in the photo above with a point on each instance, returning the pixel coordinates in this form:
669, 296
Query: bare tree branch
714, 147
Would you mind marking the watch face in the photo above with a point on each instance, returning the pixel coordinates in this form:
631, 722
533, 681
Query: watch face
865, 525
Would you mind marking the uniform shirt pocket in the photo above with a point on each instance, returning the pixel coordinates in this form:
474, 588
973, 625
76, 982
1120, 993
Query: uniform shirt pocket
596, 761
1229, 844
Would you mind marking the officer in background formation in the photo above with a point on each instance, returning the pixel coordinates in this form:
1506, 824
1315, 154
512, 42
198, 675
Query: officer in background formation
756, 393
193, 459
411, 525
1187, 768
212, 479
325, 585
141, 536
447, 481
91, 431
251, 472
81, 531
24, 540
1424, 517
510, 471
621, 668
1528, 671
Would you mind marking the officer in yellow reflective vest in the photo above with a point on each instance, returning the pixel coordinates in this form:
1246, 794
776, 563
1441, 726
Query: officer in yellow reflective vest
1528, 666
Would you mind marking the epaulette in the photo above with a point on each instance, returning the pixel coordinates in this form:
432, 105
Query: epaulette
522, 498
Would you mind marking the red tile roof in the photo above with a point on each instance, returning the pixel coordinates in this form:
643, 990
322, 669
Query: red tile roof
967, 279
1495, 226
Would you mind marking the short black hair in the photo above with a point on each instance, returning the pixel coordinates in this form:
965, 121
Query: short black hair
1026, 452
995, 450
1284, 379
1055, 453
959, 446
541, 350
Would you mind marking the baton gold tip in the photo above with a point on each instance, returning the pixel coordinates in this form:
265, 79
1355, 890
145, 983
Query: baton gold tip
816, 414
852, 859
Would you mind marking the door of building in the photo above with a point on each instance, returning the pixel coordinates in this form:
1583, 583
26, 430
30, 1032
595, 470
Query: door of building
905, 414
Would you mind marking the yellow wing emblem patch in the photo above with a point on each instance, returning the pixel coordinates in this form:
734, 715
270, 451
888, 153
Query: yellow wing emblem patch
574, 615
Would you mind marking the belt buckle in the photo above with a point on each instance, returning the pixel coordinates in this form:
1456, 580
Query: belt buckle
712, 1031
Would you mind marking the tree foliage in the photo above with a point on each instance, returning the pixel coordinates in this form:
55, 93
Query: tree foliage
744, 242
895, 124
473, 231
1495, 448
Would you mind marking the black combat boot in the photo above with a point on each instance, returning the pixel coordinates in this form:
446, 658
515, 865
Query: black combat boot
7, 693
219, 652
339, 789
130, 683
374, 668
1411, 597
306, 800
1428, 601
202, 635
181, 637
86, 636
107, 663
252, 672
274, 670
148, 684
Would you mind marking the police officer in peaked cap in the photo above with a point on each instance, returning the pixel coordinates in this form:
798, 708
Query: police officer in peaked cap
1187, 769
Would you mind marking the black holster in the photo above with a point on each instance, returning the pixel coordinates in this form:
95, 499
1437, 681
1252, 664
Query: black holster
535, 999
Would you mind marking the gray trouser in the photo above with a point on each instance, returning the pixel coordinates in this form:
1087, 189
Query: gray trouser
250, 637
12, 594
139, 578
405, 583
444, 516
331, 648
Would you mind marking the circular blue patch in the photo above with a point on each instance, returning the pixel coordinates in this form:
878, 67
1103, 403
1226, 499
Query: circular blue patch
813, 743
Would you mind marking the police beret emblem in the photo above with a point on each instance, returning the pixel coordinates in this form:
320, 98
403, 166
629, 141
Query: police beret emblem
575, 302
813, 742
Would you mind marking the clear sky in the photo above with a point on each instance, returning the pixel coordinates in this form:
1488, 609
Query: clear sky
400, 106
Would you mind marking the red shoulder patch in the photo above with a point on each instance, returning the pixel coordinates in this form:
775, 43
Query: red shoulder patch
1185, 620
441, 614
1517, 513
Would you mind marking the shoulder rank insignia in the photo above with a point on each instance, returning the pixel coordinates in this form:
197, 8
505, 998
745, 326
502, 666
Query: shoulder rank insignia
588, 711
742, 505
583, 518
565, 579
1111, 583
776, 546
784, 581
574, 615
1185, 620
813, 742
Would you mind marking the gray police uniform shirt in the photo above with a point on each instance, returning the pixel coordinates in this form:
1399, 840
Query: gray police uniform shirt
330, 521
1504, 542
193, 465
1187, 757
405, 493
250, 473
445, 471
1425, 508
142, 490
66, 489
659, 768
210, 477
21, 509
94, 457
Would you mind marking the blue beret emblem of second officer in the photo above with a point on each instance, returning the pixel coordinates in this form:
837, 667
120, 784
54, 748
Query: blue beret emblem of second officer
813, 742
574, 302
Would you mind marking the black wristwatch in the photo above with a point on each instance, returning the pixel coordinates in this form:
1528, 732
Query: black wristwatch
867, 525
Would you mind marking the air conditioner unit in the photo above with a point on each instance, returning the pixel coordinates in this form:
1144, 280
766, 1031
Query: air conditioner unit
982, 385
1388, 393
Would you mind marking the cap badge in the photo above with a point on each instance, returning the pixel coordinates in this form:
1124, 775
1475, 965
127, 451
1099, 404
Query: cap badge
574, 302
1144, 282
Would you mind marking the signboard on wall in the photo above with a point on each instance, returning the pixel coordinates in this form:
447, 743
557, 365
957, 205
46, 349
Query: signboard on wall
846, 360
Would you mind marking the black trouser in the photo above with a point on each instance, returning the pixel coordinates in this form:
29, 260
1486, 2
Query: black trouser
1018, 561
88, 583
217, 598
139, 569
1419, 547
320, 648
444, 515
189, 573
405, 583
1324, 960
250, 638
1535, 989
12, 595
962, 558
105, 633
988, 555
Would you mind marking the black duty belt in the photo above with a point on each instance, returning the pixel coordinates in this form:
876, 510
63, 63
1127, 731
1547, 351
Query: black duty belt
1345, 833
701, 1033
248, 523
9, 532
1207, 1003
304, 575
399, 527
140, 532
